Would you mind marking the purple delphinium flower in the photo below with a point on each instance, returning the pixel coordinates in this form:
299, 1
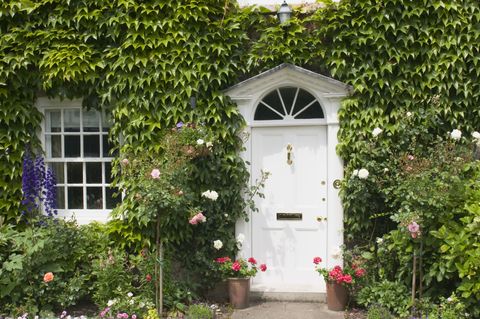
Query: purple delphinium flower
179, 125
50, 199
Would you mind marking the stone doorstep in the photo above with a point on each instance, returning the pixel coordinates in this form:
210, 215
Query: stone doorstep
288, 296
287, 310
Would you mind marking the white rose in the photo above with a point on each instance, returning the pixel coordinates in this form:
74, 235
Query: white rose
363, 173
111, 302
456, 134
200, 141
218, 244
379, 240
241, 238
130, 295
213, 195
376, 131
476, 136
132, 301
337, 253
355, 172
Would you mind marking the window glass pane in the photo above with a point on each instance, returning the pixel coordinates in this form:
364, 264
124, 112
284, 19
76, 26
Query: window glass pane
112, 202
57, 169
74, 173
94, 198
71, 119
94, 173
91, 145
273, 100
53, 121
75, 197
72, 146
60, 197
54, 146
288, 95
312, 112
106, 122
107, 147
263, 113
108, 172
303, 99
91, 121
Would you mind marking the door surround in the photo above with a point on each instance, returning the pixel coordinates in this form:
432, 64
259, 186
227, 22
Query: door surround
329, 92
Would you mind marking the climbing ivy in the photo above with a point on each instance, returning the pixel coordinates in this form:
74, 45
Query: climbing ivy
144, 61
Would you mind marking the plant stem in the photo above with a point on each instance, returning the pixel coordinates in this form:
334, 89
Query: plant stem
414, 277
158, 270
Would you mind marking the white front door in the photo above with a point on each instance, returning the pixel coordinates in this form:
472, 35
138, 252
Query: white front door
290, 227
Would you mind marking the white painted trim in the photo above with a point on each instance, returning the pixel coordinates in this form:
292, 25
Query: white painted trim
83, 216
329, 93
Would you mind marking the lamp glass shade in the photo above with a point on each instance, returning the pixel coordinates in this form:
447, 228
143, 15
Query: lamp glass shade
284, 13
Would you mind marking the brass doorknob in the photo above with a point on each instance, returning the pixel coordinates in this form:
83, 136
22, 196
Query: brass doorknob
321, 219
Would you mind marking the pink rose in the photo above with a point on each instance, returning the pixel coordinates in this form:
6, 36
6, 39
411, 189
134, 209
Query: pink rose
413, 227
201, 218
155, 174
193, 220
411, 157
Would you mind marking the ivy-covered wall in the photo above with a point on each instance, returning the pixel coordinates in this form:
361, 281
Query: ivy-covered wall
143, 60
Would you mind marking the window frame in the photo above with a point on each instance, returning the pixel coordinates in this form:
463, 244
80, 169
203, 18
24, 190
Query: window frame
82, 215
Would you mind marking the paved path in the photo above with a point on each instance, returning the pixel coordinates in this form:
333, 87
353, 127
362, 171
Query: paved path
287, 310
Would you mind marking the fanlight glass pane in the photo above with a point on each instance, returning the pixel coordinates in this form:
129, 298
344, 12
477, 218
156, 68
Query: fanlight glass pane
288, 103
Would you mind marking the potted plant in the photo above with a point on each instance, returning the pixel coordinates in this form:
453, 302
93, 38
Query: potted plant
238, 274
339, 281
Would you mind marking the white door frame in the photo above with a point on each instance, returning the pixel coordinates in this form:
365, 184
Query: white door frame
329, 93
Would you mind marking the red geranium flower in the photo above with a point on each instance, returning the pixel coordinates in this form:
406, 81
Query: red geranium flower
148, 277
360, 272
347, 279
236, 266
317, 260
263, 267
252, 261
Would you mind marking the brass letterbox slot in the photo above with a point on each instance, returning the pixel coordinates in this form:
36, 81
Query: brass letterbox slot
289, 216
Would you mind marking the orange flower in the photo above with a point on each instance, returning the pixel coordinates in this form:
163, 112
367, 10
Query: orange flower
48, 277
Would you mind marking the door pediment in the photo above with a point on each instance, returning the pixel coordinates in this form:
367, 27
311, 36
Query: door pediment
249, 93
288, 74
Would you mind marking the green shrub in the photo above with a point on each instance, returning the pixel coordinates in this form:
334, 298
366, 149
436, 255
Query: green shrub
459, 245
393, 296
56, 246
199, 311
378, 312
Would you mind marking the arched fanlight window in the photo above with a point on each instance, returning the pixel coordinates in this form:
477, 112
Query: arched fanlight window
288, 103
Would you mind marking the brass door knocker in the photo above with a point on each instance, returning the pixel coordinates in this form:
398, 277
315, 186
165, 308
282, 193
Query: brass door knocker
289, 154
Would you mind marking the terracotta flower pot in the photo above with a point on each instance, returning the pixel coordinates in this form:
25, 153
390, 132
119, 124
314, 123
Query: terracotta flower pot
239, 292
337, 297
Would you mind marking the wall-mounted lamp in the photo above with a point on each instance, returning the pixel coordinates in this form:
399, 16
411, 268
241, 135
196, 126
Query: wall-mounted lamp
284, 13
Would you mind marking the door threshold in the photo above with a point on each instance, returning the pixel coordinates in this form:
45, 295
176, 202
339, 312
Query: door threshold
288, 296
